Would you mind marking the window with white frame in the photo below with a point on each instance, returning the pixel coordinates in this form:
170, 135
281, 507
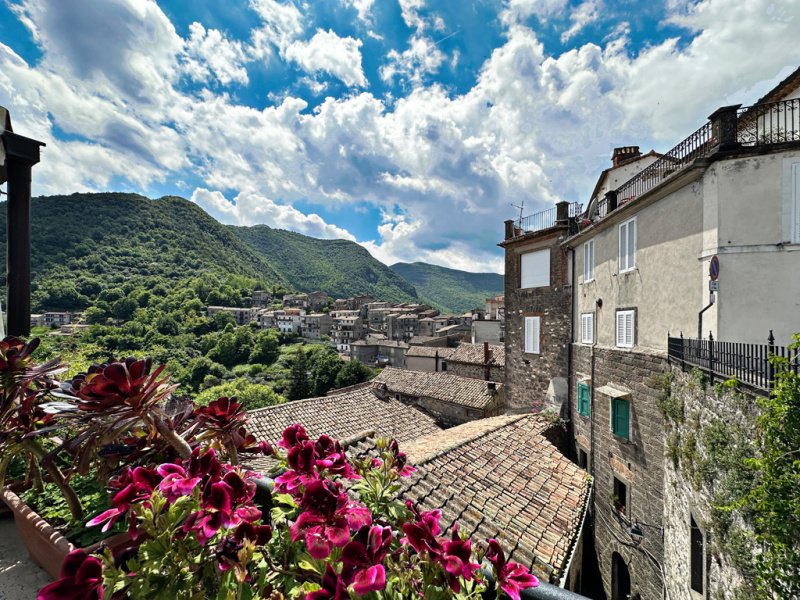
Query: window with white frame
588, 261
627, 245
535, 269
533, 327
587, 328
626, 328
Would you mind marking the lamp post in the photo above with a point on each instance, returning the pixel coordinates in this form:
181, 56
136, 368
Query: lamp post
18, 154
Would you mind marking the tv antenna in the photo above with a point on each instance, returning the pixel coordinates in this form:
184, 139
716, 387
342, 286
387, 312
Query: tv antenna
521, 207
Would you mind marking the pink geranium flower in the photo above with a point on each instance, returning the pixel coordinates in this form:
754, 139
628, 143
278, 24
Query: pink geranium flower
81, 579
362, 559
512, 577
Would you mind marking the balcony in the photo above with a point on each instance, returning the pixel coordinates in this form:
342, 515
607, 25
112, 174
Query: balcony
561, 214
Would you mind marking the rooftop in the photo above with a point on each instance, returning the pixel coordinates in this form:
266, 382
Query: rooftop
501, 477
472, 393
429, 351
343, 415
473, 354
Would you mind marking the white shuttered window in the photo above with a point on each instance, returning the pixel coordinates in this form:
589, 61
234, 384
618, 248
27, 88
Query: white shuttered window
626, 332
627, 245
533, 326
587, 328
535, 269
588, 261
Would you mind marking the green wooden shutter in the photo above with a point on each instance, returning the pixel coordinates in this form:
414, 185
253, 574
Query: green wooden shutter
583, 399
620, 417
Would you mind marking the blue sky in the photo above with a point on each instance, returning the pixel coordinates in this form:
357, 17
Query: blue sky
409, 126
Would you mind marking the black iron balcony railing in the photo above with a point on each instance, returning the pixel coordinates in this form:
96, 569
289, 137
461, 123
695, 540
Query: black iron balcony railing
547, 218
772, 123
700, 143
747, 363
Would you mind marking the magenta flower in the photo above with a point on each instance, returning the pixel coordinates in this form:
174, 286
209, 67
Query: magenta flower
455, 559
400, 460
333, 588
512, 577
362, 559
176, 482
327, 518
422, 531
292, 436
332, 458
134, 486
81, 579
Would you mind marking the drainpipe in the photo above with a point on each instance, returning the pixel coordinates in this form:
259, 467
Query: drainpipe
570, 396
486, 368
700, 316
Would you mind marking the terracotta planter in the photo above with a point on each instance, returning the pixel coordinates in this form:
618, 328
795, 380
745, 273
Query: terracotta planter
46, 546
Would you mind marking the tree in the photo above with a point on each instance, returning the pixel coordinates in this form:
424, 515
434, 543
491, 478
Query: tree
352, 373
325, 367
265, 347
298, 383
251, 395
95, 315
124, 308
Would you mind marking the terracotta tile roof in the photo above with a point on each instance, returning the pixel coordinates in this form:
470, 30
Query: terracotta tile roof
449, 328
429, 351
472, 393
501, 477
419, 340
473, 354
343, 415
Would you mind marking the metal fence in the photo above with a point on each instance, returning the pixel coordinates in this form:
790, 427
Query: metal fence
698, 144
546, 218
771, 123
747, 363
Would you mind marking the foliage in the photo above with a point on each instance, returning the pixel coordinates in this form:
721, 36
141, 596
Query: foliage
251, 395
298, 385
339, 267
450, 290
352, 373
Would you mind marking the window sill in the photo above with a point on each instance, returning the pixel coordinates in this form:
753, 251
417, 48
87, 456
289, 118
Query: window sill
627, 271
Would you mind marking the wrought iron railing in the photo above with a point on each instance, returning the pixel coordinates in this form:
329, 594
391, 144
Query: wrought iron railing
747, 363
700, 143
771, 123
546, 218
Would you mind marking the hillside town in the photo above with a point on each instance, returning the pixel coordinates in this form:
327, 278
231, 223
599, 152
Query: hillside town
603, 422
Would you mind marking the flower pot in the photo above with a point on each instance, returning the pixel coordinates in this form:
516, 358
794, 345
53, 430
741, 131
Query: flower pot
46, 546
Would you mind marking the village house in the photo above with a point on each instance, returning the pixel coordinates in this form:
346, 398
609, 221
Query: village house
378, 352
242, 316
261, 298
316, 325
51, 319
354, 303
428, 358
347, 327
288, 320
452, 400
479, 361
295, 300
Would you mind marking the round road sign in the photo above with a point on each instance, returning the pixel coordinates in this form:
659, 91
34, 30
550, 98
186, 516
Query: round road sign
713, 268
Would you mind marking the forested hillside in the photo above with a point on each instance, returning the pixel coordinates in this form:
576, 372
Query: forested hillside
450, 290
83, 244
338, 267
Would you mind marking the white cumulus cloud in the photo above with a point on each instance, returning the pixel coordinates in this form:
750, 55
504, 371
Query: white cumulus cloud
329, 53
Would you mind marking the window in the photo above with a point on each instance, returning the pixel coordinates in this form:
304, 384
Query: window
583, 459
627, 245
584, 399
696, 543
532, 329
588, 261
587, 328
535, 269
626, 328
620, 495
444, 366
620, 417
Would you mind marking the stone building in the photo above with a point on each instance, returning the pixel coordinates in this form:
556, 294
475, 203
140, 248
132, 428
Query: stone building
428, 358
242, 316
315, 325
478, 361
538, 297
379, 352
452, 400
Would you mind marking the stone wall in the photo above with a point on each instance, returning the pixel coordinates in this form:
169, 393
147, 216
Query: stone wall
698, 414
496, 372
448, 414
537, 381
637, 462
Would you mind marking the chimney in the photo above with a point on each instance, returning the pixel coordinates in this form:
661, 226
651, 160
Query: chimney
436, 361
486, 356
623, 154
491, 386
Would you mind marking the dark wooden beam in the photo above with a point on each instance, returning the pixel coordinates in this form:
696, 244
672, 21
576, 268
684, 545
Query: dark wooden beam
21, 154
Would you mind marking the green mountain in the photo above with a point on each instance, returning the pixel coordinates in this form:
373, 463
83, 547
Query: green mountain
450, 290
339, 267
85, 243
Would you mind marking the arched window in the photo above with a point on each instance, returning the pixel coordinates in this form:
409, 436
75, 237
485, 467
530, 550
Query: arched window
620, 578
